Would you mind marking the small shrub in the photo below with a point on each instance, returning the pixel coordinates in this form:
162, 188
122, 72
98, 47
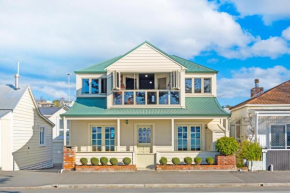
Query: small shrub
210, 160
113, 161
227, 145
84, 161
163, 161
175, 160
94, 161
127, 161
251, 151
197, 160
104, 161
188, 160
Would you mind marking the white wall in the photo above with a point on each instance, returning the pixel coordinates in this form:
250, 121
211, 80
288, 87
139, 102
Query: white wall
6, 129
55, 118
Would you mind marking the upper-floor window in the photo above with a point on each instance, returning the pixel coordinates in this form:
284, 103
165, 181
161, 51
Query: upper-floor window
198, 85
94, 86
85, 86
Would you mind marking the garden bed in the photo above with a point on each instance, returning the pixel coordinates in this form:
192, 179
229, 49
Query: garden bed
194, 167
119, 168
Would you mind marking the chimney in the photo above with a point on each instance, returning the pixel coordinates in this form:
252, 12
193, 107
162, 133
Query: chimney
16, 76
256, 91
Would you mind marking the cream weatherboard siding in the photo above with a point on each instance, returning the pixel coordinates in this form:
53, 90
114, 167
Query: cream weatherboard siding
55, 119
27, 152
6, 142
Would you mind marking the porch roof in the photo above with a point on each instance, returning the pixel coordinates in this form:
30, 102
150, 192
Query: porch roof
195, 106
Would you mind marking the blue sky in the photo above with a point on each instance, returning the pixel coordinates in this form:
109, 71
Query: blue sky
243, 40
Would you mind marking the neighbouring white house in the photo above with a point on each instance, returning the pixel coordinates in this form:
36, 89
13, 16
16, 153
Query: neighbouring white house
53, 114
25, 134
265, 118
146, 104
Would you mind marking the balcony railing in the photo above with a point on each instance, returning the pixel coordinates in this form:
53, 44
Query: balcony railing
146, 97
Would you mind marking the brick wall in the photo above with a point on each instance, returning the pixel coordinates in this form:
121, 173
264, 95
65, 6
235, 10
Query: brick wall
225, 160
69, 158
121, 168
195, 167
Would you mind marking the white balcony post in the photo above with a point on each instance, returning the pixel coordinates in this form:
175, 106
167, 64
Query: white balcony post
118, 135
64, 131
172, 134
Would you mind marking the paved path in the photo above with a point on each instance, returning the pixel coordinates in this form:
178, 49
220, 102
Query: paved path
49, 177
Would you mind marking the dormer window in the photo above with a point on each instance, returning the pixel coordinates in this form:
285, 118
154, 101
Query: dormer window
94, 86
198, 85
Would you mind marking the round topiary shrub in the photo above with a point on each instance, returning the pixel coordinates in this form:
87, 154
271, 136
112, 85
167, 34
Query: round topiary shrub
84, 161
197, 160
94, 161
104, 161
127, 161
113, 161
188, 160
210, 160
227, 145
175, 160
163, 161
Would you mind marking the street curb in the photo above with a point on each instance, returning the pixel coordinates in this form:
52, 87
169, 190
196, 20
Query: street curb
200, 185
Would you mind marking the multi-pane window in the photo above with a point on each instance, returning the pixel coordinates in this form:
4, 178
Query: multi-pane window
195, 138
197, 85
280, 137
144, 135
97, 138
110, 138
95, 86
207, 85
85, 86
182, 138
42, 136
188, 85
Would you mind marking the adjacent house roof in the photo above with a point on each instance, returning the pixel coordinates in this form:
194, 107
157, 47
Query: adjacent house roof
191, 66
195, 106
277, 95
48, 111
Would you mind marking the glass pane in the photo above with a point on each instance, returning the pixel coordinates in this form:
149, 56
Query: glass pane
140, 98
188, 85
192, 129
99, 129
99, 136
117, 98
148, 133
104, 85
99, 148
163, 98
94, 148
288, 135
107, 142
197, 85
94, 142
85, 86
94, 136
207, 85
112, 142
99, 142
151, 98
129, 98
174, 97
197, 129
278, 136
94, 129
95, 86
179, 129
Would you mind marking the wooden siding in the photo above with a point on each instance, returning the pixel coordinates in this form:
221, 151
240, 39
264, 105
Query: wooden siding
55, 119
27, 153
6, 145
147, 56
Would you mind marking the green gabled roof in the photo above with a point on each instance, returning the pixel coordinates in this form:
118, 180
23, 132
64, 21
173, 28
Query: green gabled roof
97, 107
191, 66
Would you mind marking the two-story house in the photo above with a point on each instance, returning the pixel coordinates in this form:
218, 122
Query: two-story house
146, 104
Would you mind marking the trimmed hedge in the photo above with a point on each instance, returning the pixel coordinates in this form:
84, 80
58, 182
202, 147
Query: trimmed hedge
188, 160
94, 161
163, 161
197, 160
175, 160
113, 161
127, 161
84, 161
104, 161
210, 160
227, 145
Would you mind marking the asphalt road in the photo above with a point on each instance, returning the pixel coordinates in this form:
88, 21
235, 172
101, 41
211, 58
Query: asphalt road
182, 190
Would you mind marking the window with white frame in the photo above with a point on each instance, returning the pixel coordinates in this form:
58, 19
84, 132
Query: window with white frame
280, 136
110, 138
188, 137
103, 136
42, 136
235, 131
144, 135
198, 85
94, 86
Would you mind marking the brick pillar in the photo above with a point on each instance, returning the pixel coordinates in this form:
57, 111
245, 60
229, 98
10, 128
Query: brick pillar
69, 157
225, 160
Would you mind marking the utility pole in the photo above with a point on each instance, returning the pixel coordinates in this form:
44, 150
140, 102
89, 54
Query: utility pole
68, 87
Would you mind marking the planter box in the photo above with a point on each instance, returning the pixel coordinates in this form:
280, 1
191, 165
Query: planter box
257, 165
194, 167
120, 168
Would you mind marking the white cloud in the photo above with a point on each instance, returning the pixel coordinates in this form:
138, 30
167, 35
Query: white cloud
286, 33
270, 10
242, 80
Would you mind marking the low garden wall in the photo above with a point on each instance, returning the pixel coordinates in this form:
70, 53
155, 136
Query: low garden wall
119, 168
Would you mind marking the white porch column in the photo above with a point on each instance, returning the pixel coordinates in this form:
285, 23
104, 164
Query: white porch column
64, 131
118, 135
256, 127
172, 134
227, 128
